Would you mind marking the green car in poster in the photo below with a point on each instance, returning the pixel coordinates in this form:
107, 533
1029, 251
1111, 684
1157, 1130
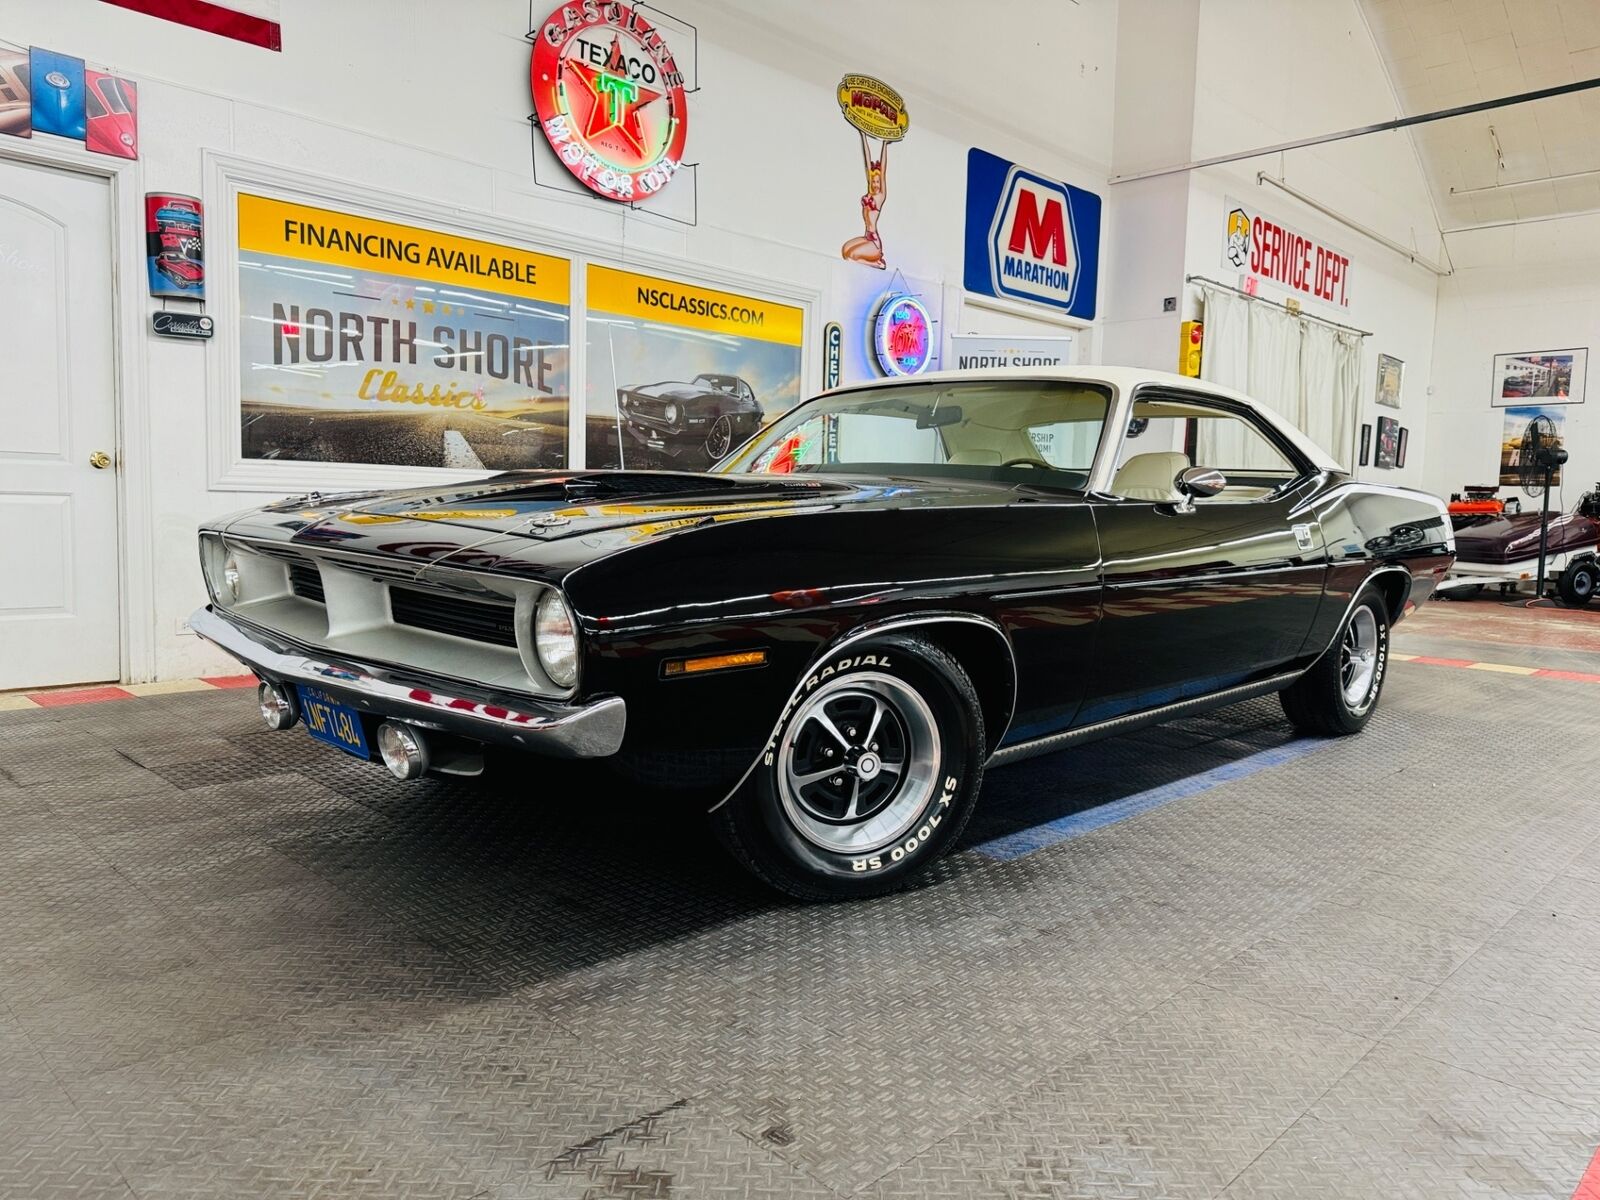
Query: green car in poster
698, 422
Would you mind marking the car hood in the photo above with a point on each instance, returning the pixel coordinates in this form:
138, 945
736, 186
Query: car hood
1508, 539
552, 506
675, 391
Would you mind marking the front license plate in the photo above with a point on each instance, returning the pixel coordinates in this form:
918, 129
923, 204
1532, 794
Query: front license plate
329, 721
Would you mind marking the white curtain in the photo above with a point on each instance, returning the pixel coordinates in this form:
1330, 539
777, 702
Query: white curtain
1307, 372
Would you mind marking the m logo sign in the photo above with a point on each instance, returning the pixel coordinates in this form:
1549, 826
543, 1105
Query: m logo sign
1029, 237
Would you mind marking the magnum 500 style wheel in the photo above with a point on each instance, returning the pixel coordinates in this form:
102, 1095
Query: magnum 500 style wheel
871, 775
1337, 695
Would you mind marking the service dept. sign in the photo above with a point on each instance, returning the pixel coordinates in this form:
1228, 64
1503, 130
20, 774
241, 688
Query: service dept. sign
1030, 237
1275, 253
610, 98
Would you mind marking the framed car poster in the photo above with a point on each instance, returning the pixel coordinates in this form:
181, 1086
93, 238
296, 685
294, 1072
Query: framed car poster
1366, 444
679, 375
1388, 448
1390, 370
1539, 377
367, 341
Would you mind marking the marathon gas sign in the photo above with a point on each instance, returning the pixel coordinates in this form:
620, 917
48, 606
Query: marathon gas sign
1272, 252
1030, 237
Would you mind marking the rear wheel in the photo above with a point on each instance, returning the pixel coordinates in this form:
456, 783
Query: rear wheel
1337, 695
870, 778
1577, 583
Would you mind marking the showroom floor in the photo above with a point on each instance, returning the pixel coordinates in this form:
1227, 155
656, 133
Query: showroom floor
1206, 960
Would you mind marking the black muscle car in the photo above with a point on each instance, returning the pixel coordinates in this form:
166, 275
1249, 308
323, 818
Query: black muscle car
891, 589
701, 420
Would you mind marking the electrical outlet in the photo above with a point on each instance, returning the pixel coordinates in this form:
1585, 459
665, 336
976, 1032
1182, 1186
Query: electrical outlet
1169, 304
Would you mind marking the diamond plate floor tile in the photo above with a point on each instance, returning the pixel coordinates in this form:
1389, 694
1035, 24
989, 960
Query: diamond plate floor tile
1349, 994
1472, 916
64, 963
1546, 985
1176, 1104
1550, 1057
47, 1151
1409, 950
1411, 1129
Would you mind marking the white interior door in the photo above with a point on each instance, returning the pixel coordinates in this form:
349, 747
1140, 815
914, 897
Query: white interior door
59, 620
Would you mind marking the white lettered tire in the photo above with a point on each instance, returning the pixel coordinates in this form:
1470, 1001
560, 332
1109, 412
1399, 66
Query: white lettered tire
870, 777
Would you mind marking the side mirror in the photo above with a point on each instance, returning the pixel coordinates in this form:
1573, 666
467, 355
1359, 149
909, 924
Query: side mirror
1198, 482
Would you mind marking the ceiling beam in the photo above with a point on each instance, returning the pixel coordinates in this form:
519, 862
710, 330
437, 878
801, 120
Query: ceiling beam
1442, 114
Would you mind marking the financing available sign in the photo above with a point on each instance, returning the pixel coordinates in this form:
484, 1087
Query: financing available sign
365, 341
1030, 237
1269, 251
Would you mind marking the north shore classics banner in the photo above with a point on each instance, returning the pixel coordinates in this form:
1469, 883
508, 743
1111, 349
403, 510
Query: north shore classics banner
364, 341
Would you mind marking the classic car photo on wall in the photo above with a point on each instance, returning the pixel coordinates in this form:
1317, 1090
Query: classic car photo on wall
693, 424
888, 591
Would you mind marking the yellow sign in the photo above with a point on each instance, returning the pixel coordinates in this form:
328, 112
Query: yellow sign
339, 239
873, 107
667, 302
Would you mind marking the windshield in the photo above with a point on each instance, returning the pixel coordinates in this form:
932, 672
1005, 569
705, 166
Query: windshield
1011, 431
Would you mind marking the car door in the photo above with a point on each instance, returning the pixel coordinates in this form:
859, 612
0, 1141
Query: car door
1201, 596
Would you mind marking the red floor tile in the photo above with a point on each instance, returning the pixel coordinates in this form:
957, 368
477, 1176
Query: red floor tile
78, 696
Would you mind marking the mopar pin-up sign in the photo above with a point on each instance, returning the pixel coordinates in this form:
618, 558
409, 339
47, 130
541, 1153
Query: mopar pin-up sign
1029, 237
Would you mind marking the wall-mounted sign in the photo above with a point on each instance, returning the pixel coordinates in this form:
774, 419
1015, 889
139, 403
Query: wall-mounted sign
182, 325
1553, 376
111, 106
16, 107
832, 354
366, 341
1030, 237
902, 335
56, 81
982, 351
1267, 250
174, 245
679, 375
878, 114
609, 98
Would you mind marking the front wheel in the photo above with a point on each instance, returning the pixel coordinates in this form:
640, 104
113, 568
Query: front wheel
870, 777
1337, 695
719, 440
1577, 583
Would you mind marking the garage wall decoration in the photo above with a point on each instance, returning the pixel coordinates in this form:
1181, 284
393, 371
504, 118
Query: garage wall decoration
678, 375
16, 107
1030, 237
1390, 373
364, 341
879, 115
1270, 252
56, 83
1548, 376
609, 98
174, 239
1388, 448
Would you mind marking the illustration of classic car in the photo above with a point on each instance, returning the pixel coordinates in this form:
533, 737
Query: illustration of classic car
183, 272
177, 211
706, 417
890, 589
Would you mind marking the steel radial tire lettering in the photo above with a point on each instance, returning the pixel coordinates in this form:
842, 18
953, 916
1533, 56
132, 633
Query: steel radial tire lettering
871, 777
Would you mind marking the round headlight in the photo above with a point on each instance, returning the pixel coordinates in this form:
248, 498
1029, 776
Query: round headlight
555, 638
670, 412
230, 577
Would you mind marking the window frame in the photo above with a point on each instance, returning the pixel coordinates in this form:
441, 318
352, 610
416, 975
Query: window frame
1304, 468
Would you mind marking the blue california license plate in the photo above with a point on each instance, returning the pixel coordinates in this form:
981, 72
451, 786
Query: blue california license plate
329, 721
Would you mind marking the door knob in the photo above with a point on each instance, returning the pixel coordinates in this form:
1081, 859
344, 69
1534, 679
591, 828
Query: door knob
99, 460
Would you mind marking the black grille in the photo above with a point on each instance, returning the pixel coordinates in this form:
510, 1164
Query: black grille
475, 620
305, 581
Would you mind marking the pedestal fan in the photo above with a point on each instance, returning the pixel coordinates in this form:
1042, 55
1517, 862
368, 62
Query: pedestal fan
1538, 459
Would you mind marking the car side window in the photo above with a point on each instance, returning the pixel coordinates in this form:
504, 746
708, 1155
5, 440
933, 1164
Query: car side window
744, 391
1167, 436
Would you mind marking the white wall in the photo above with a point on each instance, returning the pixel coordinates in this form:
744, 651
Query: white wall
1533, 287
1292, 69
428, 101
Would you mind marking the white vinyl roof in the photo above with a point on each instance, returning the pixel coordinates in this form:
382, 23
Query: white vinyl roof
1123, 381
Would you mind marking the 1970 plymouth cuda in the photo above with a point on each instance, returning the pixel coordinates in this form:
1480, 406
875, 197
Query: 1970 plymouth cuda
890, 589
700, 420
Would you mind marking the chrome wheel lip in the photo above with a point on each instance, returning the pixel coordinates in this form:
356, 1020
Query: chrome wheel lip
914, 788
1359, 650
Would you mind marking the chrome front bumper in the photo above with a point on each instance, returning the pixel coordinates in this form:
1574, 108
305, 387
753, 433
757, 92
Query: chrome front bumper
592, 730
